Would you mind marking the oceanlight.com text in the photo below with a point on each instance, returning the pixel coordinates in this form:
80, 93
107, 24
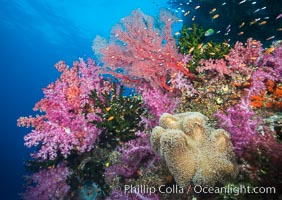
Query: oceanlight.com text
236, 190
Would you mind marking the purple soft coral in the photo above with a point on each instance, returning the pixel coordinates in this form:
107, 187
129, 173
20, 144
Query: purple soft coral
157, 103
63, 126
133, 154
48, 184
241, 123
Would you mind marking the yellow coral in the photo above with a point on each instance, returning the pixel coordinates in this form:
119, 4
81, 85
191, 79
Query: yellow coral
193, 151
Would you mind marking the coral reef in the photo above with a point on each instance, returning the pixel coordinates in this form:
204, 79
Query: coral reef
246, 70
93, 137
192, 150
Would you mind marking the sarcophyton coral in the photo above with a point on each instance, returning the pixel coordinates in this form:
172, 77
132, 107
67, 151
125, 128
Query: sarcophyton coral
193, 151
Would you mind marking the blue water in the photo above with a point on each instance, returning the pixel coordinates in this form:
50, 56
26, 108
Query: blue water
34, 35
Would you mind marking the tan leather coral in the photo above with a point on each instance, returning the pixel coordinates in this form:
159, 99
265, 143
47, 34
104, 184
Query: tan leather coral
194, 152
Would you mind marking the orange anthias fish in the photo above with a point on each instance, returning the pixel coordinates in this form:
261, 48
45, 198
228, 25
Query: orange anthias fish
269, 50
215, 16
111, 118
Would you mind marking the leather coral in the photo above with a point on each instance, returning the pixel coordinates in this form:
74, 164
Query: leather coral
194, 152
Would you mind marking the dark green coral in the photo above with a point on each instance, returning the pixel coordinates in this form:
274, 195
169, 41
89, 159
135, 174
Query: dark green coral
194, 42
120, 116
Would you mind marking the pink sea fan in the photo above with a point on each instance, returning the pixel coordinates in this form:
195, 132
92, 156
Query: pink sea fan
64, 126
144, 51
48, 184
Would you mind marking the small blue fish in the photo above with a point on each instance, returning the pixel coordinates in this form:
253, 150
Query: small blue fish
243, 1
209, 32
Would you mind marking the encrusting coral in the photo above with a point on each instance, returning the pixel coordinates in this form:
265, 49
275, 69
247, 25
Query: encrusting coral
193, 151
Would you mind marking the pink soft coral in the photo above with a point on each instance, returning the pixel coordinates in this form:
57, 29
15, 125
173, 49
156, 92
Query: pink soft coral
242, 124
218, 65
48, 184
241, 56
157, 103
134, 154
65, 126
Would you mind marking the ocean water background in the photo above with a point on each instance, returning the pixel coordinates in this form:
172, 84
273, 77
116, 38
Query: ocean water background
34, 35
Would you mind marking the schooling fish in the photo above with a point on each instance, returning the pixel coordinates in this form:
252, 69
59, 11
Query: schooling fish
262, 23
111, 118
242, 2
242, 24
257, 10
269, 50
191, 50
212, 11
187, 13
215, 16
254, 21
279, 16
200, 46
270, 38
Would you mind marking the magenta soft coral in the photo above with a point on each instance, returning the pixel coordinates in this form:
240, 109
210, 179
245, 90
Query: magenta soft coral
63, 125
157, 103
218, 65
242, 124
240, 120
48, 184
132, 158
273, 59
241, 56
269, 144
145, 52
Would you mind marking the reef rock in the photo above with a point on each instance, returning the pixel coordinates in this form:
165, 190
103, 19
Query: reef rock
194, 152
